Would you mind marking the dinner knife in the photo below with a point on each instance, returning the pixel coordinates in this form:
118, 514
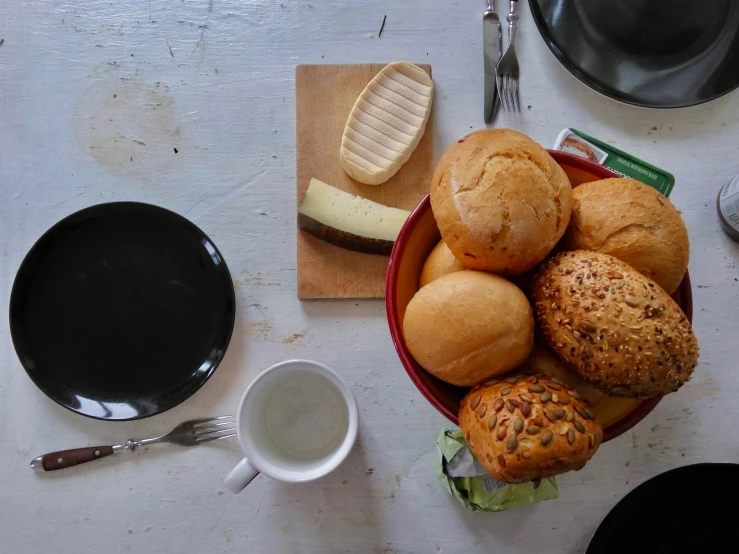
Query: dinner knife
492, 39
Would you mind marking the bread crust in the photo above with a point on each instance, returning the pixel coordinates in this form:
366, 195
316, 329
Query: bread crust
617, 328
545, 362
500, 200
526, 427
468, 326
633, 222
440, 262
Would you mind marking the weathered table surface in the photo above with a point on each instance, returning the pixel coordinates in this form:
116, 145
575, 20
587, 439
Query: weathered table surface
214, 79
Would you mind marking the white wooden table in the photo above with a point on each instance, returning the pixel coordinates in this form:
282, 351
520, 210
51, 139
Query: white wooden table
214, 79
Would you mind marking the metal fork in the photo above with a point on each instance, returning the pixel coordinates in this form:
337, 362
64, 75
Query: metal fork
507, 74
188, 433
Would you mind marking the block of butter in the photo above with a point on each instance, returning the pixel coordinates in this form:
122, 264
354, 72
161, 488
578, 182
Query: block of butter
578, 143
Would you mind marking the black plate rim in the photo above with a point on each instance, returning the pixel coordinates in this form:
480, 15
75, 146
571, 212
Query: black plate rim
231, 293
646, 483
597, 86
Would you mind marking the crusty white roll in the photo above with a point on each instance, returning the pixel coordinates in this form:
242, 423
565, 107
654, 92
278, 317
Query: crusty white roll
634, 223
468, 326
440, 262
500, 200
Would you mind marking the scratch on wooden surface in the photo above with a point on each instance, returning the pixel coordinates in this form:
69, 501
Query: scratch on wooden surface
292, 338
68, 199
200, 45
256, 280
224, 197
261, 327
170, 49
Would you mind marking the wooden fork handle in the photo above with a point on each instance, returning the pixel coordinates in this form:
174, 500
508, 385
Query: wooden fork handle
76, 456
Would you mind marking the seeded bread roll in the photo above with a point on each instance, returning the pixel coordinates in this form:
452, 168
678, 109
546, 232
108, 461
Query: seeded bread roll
633, 222
500, 200
440, 262
617, 328
468, 326
528, 427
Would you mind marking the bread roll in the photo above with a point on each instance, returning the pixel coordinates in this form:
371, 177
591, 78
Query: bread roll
633, 222
468, 326
617, 328
607, 409
545, 362
500, 200
440, 262
525, 428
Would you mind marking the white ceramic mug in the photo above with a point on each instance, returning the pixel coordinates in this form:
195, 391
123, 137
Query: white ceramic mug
297, 421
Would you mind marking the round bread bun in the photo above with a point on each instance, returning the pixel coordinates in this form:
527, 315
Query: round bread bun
633, 222
440, 262
617, 328
468, 326
528, 427
545, 362
500, 200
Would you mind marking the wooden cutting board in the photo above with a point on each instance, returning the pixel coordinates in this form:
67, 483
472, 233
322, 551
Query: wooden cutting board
325, 94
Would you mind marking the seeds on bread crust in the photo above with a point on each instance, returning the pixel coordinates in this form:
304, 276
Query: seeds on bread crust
615, 327
524, 440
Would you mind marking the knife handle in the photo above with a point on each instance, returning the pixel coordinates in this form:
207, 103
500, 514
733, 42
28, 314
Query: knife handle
68, 458
512, 19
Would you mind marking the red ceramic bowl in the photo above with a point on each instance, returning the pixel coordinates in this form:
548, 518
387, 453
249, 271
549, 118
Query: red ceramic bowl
416, 240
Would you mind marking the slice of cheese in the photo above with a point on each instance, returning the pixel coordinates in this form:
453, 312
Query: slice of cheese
349, 221
386, 123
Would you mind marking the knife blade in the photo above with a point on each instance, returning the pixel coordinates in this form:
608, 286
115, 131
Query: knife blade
492, 39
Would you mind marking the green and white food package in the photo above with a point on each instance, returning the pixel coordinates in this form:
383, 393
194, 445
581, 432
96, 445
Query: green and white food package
463, 476
578, 143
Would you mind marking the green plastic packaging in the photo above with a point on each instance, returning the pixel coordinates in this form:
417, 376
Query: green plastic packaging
464, 478
578, 143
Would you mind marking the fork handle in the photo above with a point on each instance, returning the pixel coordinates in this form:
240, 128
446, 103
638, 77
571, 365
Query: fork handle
512, 19
68, 458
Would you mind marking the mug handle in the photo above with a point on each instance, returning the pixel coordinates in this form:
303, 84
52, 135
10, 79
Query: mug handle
240, 476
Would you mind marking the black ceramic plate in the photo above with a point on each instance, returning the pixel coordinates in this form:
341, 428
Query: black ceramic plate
688, 509
652, 53
122, 310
